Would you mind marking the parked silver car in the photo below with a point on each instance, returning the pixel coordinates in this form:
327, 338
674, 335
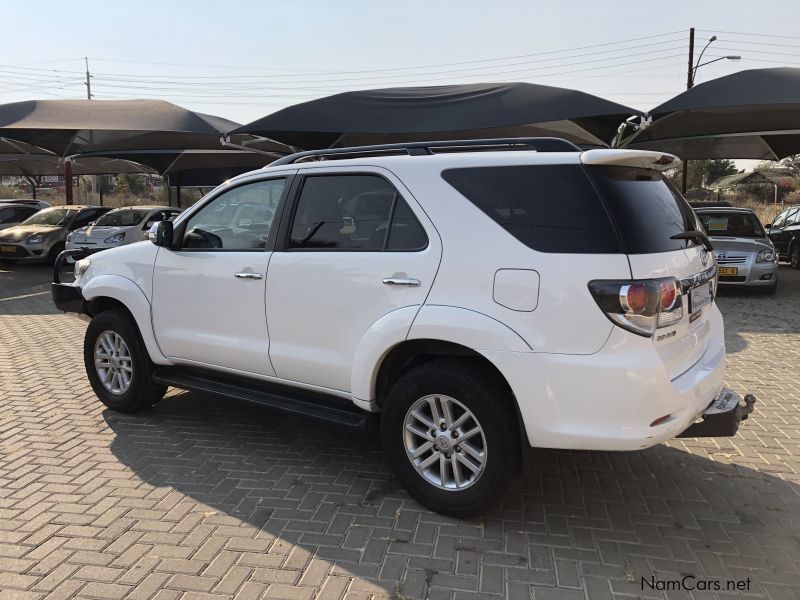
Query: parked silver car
119, 227
745, 255
14, 214
41, 237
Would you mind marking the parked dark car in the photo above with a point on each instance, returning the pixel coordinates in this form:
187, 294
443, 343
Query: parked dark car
29, 201
14, 214
784, 232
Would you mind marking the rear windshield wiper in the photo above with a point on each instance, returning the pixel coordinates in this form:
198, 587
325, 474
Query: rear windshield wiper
694, 234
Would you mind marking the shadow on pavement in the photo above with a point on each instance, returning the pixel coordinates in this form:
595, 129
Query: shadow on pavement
616, 516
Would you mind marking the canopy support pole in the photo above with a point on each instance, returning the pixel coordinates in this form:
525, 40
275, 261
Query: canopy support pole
178, 195
68, 180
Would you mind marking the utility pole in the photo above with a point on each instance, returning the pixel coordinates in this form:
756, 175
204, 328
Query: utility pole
689, 84
89, 77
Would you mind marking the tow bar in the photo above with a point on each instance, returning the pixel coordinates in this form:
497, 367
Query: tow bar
722, 417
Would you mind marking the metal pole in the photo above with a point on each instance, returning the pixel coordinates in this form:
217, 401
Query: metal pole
68, 180
689, 84
89, 81
178, 196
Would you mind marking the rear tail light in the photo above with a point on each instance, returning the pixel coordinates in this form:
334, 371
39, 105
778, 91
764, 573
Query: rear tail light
640, 306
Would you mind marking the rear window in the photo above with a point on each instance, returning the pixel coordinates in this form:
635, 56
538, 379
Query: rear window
648, 211
550, 208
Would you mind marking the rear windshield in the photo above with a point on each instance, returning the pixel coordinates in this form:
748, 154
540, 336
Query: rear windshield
648, 211
550, 208
122, 218
732, 224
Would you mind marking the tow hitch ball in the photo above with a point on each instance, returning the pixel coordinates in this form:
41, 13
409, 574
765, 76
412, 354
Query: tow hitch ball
721, 424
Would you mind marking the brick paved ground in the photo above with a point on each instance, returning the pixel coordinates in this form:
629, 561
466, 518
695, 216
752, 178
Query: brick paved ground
204, 498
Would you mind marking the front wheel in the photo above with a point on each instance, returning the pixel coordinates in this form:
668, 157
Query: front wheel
117, 363
794, 256
450, 434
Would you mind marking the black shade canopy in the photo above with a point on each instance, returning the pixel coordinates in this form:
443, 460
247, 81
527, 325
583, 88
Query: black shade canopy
68, 127
443, 112
196, 167
749, 114
46, 164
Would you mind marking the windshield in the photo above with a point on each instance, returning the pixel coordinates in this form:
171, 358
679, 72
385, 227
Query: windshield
122, 218
732, 224
50, 216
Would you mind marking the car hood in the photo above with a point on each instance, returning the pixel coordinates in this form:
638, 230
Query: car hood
733, 244
20, 232
100, 232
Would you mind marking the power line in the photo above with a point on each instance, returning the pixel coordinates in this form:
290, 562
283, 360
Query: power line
767, 35
205, 66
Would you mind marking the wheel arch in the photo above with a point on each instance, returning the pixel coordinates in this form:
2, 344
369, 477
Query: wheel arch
113, 291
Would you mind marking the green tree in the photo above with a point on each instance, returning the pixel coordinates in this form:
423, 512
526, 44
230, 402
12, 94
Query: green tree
130, 183
702, 173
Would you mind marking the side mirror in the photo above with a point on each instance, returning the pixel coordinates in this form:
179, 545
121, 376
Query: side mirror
161, 234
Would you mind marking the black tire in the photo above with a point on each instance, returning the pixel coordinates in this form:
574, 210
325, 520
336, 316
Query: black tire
794, 256
53, 254
141, 392
488, 398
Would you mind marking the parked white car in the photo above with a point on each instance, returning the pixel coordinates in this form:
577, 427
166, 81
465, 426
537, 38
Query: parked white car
119, 227
480, 301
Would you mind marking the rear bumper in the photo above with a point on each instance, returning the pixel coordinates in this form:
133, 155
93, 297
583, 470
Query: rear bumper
609, 400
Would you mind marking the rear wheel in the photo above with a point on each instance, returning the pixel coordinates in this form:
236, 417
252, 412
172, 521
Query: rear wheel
450, 434
117, 363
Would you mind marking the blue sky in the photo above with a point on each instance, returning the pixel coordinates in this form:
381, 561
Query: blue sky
245, 59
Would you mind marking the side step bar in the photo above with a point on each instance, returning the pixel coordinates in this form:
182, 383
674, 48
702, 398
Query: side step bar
292, 400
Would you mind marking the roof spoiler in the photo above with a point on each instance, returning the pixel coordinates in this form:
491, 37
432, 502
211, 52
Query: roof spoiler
631, 158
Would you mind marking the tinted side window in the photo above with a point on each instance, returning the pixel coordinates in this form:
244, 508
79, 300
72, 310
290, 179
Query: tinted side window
342, 212
405, 232
792, 218
239, 219
778, 222
7, 215
550, 208
647, 210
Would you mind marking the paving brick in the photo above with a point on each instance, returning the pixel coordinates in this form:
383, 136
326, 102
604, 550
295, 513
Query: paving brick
200, 497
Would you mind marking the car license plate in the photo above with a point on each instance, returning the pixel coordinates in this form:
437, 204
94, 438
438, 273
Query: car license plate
699, 297
727, 400
12, 249
723, 271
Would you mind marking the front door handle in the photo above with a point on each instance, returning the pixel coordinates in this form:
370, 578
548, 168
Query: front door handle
248, 276
402, 281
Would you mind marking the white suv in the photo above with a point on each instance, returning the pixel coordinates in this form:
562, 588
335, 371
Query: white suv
482, 296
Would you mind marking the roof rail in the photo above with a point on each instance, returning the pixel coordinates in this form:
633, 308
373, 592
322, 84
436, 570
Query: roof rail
539, 144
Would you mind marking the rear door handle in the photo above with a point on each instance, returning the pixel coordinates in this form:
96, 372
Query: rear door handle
248, 276
402, 281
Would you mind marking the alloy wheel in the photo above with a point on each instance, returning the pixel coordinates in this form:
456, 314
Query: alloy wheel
113, 362
445, 442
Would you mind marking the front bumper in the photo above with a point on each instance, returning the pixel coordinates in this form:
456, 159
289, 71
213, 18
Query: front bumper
67, 296
12, 251
749, 273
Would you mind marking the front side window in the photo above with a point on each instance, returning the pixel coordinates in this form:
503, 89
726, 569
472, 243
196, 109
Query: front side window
352, 212
7, 215
239, 219
793, 218
731, 224
85, 217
